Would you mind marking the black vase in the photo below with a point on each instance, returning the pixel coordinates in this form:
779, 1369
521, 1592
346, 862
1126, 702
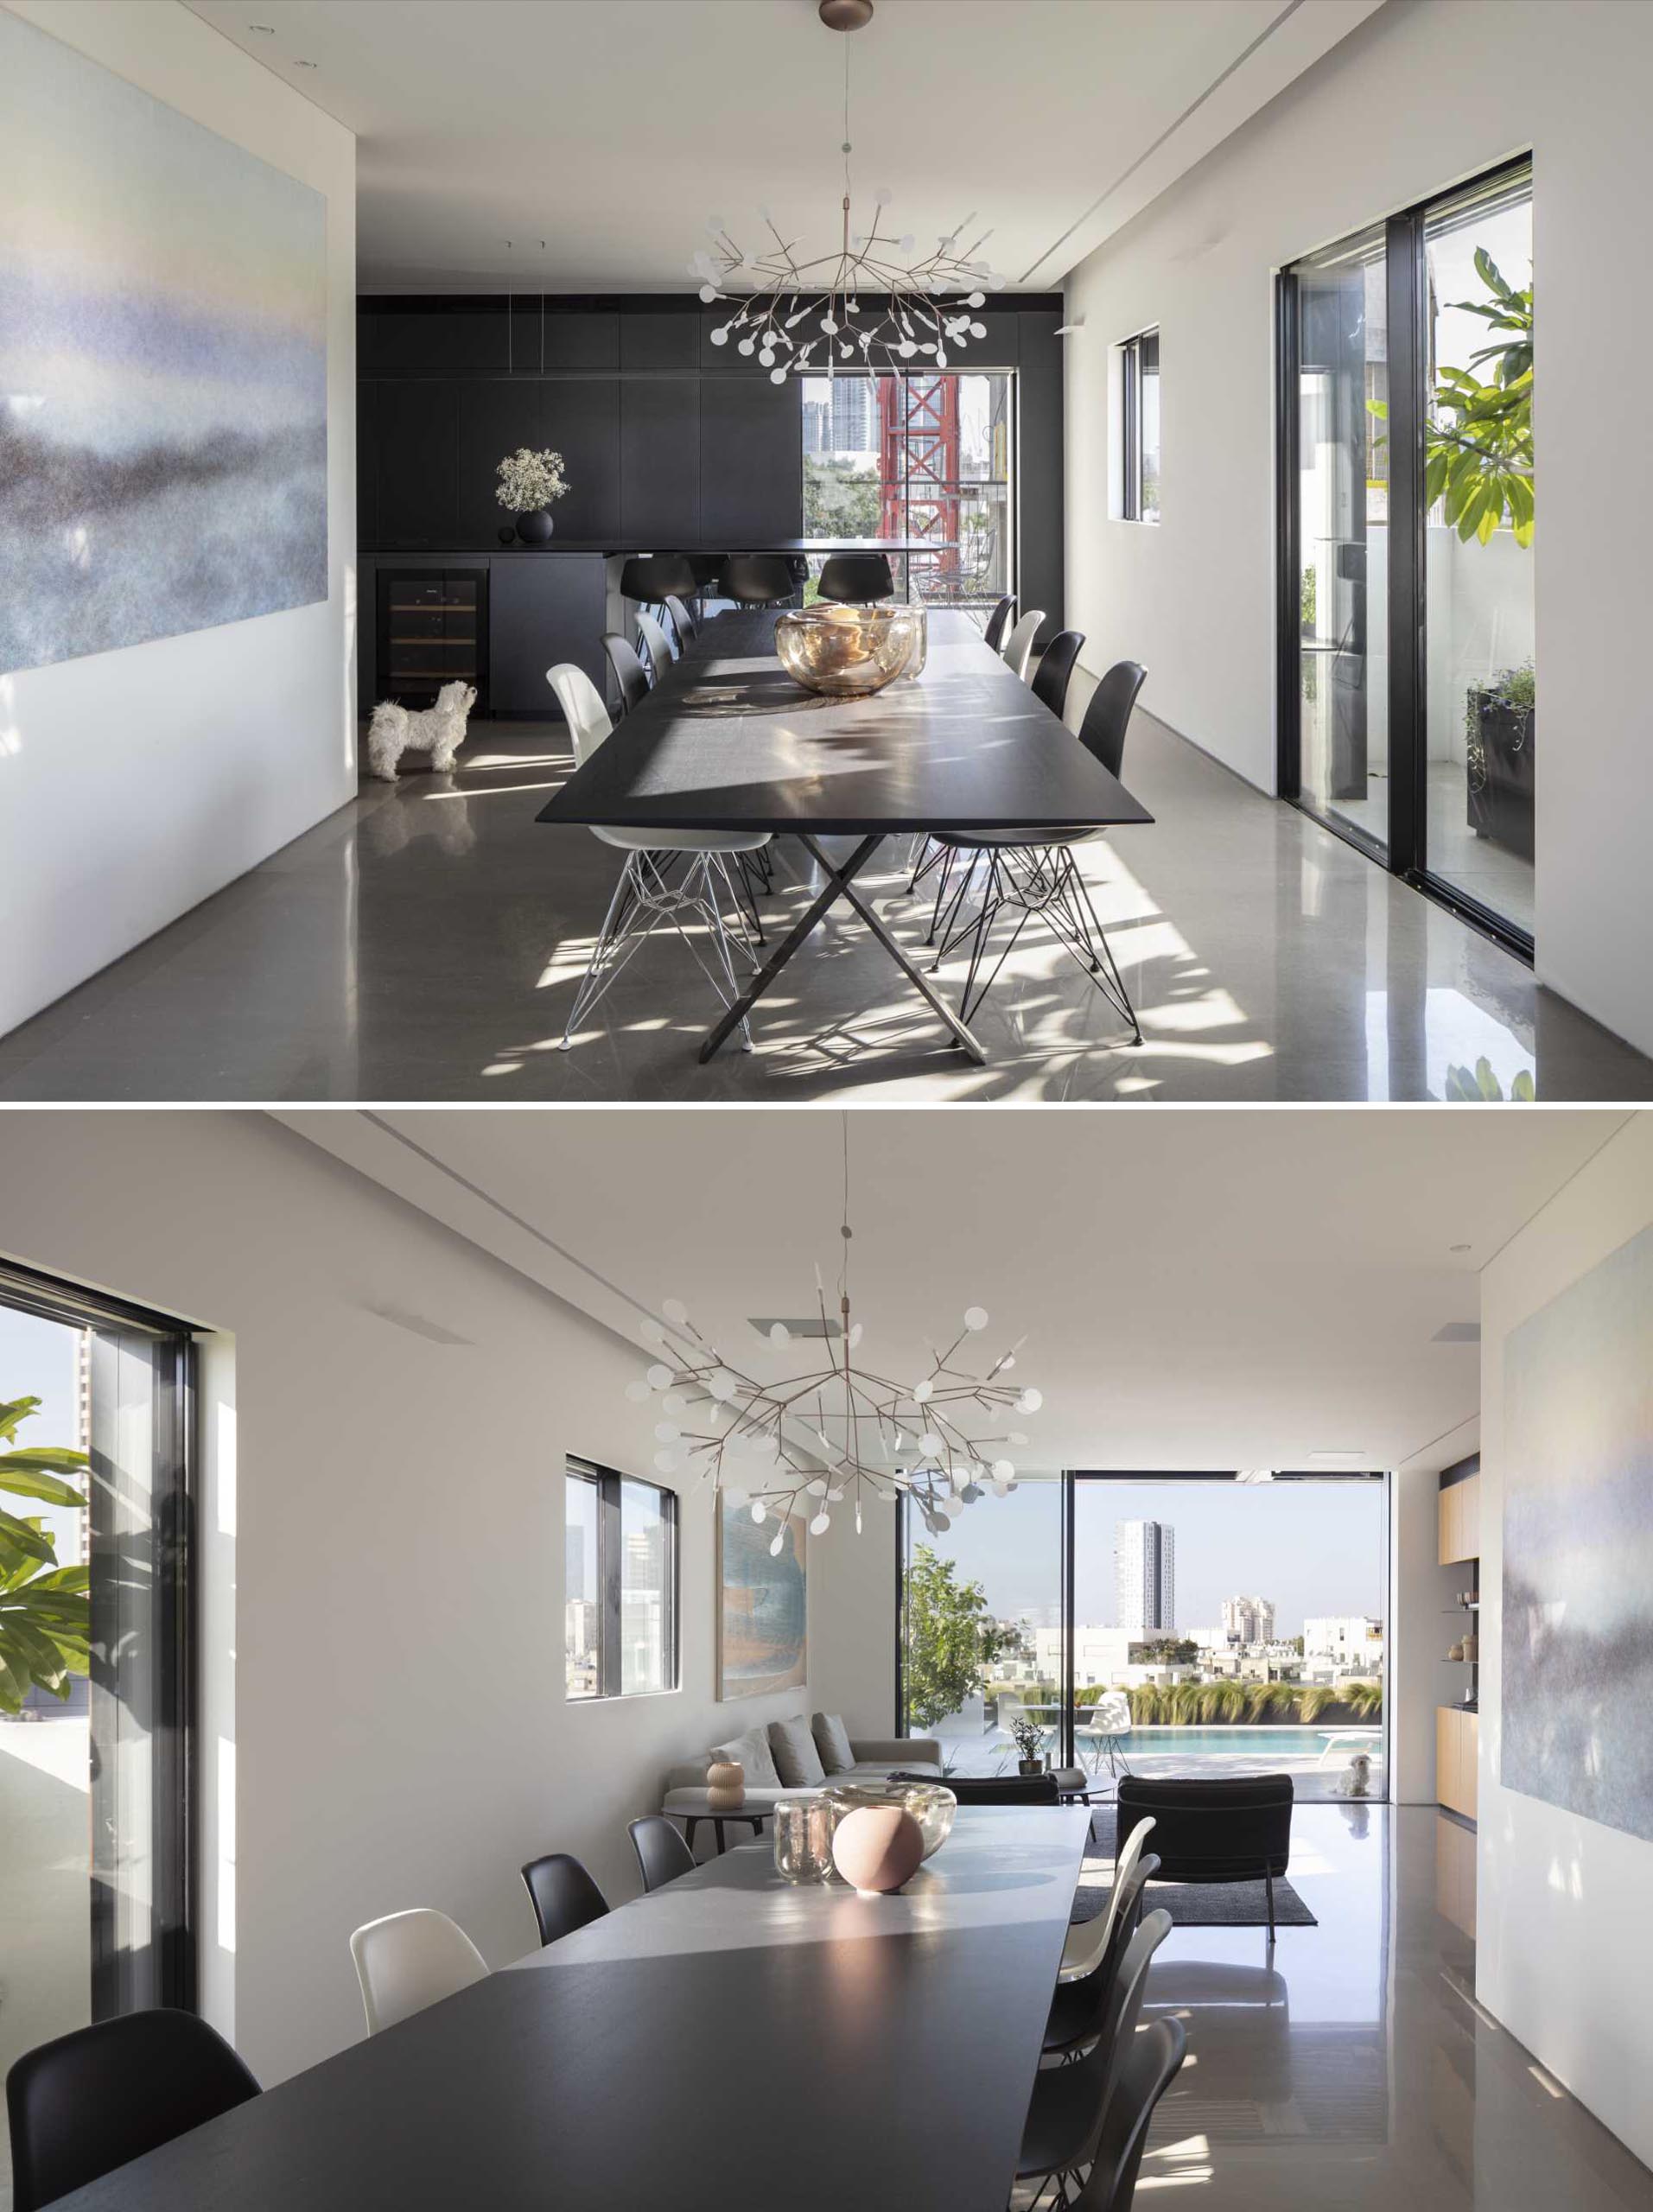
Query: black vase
535, 529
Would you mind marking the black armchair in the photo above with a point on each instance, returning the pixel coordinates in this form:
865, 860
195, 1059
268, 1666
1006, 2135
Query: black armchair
1235, 1829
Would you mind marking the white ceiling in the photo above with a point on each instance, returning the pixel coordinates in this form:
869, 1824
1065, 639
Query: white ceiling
610, 129
1228, 1289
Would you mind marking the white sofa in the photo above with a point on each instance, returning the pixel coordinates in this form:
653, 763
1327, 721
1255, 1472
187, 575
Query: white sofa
685, 1784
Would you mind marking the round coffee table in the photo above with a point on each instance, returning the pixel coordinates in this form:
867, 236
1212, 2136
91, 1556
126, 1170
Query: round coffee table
753, 1816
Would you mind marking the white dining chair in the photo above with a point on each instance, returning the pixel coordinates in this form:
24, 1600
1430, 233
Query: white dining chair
410, 1960
657, 644
1019, 646
645, 895
1087, 1944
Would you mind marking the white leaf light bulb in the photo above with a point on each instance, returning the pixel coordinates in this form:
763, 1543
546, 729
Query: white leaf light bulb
1030, 1401
820, 1523
759, 1510
775, 1548
659, 1377
667, 1432
666, 1462
675, 1312
975, 1317
779, 1333
638, 1392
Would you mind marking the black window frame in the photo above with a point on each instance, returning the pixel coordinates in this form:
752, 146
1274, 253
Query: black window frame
1406, 852
609, 1482
1130, 423
166, 1971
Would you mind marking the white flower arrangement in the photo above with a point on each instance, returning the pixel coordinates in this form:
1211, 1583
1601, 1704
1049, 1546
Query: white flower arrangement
530, 480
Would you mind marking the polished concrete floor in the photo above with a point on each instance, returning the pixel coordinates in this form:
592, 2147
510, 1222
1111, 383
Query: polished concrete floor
425, 943
1354, 2069
1501, 879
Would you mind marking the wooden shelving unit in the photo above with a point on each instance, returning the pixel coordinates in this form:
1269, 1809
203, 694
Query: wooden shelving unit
1458, 1727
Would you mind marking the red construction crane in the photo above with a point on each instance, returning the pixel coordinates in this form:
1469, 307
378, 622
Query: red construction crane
919, 473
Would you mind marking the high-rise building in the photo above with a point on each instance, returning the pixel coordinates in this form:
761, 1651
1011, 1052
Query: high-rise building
1145, 1554
817, 415
854, 425
1249, 1619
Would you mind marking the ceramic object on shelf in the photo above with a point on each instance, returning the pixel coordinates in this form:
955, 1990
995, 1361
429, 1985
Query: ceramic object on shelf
726, 1785
536, 526
930, 1803
846, 652
876, 1848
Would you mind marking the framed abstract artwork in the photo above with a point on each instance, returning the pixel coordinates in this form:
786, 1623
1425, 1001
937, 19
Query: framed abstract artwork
762, 1603
1577, 1645
163, 367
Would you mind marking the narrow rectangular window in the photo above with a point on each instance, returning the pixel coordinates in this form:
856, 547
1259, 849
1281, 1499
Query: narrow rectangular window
1139, 427
620, 1585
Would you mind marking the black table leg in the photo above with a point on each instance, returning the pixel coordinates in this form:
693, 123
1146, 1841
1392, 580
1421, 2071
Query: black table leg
839, 884
717, 1830
691, 1822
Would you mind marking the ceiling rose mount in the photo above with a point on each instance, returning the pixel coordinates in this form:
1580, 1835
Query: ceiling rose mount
874, 300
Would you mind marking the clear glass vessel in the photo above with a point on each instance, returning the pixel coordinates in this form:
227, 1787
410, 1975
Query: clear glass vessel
930, 1803
802, 1830
847, 651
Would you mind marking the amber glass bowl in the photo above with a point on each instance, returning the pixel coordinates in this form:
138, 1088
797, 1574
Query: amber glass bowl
847, 651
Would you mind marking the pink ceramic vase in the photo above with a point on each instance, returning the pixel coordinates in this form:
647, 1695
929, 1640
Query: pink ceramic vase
877, 1848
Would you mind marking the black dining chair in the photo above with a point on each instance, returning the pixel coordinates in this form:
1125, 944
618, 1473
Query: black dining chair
857, 577
1071, 2105
662, 1855
563, 1894
629, 672
1233, 1828
709, 578
1149, 2068
1031, 872
684, 623
998, 623
757, 580
651, 578
1055, 670
100, 2096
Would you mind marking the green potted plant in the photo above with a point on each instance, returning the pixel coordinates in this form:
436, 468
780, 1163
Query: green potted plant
1030, 1746
1498, 738
45, 1609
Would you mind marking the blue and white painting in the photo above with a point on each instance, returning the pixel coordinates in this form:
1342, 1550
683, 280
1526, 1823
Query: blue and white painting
763, 1602
163, 421
1578, 1547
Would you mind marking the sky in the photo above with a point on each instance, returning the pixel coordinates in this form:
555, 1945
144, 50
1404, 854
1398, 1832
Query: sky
37, 1361
1314, 1549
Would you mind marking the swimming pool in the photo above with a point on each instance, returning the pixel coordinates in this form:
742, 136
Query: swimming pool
1306, 1741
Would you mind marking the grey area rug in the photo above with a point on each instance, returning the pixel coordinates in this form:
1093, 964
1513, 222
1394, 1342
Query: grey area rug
1190, 1905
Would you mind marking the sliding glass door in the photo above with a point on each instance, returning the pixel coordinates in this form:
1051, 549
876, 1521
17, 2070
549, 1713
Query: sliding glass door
95, 1692
1406, 510
1342, 551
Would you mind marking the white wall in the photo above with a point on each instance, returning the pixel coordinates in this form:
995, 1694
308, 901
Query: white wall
133, 784
1424, 94
382, 1547
1565, 1944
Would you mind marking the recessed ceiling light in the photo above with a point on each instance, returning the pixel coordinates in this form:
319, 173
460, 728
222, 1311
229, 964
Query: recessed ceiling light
303, 65
1344, 1459
1458, 1247
265, 30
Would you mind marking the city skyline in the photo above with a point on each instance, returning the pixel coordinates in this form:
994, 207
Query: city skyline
1314, 1549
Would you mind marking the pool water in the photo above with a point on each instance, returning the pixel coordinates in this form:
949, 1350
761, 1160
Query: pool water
1304, 1741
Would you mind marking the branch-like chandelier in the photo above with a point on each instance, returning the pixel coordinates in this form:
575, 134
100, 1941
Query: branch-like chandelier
915, 307
866, 1431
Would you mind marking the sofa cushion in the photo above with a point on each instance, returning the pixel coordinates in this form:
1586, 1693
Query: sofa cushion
797, 1761
832, 1741
753, 1752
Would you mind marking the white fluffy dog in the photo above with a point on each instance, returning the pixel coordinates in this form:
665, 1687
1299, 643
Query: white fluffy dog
1356, 1780
438, 730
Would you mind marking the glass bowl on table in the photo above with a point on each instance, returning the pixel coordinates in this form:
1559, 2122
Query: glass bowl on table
846, 652
930, 1803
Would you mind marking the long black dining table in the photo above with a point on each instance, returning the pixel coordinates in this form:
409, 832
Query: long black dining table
727, 740
730, 2040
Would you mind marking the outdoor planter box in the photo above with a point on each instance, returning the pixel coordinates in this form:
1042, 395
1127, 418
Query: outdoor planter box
1501, 809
